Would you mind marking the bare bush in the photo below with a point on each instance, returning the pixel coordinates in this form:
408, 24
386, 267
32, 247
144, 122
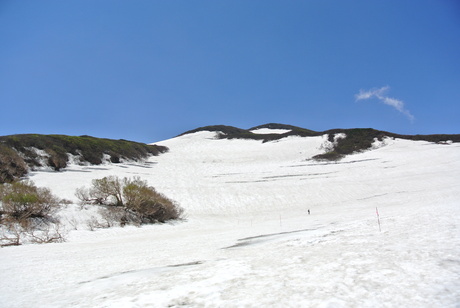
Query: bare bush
112, 216
93, 223
108, 189
83, 195
129, 201
15, 234
11, 235
73, 222
52, 234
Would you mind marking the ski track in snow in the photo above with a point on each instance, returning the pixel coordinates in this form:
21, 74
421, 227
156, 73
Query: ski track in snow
248, 240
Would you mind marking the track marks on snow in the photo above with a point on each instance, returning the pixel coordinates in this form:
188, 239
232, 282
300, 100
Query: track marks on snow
253, 240
131, 275
301, 176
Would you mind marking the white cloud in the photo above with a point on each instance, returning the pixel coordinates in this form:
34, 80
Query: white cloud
380, 95
370, 93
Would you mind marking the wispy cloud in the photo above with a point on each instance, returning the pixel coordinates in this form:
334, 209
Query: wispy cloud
380, 94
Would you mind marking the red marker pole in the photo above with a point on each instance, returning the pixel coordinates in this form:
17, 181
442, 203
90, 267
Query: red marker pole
378, 218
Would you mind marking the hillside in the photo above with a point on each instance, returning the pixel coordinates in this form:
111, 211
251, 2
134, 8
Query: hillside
249, 240
353, 140
20, 153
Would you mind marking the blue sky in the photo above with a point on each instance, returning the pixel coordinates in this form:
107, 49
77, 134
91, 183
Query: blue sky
148, 70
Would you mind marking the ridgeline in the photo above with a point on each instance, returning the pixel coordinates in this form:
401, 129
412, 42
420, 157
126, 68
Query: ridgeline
21, 153
357, 139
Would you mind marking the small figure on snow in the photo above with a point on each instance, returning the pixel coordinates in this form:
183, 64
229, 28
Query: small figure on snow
308, 211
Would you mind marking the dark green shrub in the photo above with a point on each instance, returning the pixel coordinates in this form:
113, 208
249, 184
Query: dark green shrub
56, 160
331, 156
12, 166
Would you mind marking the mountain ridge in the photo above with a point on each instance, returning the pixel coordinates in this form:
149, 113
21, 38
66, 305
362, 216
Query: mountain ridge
355, 140
18, 153
231, 132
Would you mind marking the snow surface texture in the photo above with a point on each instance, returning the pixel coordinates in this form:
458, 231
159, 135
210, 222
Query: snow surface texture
249, 241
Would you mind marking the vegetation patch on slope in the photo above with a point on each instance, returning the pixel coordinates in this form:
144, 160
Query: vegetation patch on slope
356, 140
360, 139
17, 152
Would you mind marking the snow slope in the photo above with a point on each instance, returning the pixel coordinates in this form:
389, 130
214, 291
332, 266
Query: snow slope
249, 241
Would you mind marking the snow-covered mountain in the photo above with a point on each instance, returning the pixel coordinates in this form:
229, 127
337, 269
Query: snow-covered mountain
267, 226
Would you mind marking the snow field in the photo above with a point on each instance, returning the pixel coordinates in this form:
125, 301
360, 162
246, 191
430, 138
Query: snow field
248, 240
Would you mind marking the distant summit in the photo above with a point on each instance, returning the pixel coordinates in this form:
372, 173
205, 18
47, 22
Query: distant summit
231, 132
277, 126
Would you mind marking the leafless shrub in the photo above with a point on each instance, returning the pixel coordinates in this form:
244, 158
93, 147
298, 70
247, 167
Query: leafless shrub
15, 234
93, 223
11, 235
111, 216
65, 201
73, 222
87, 196
128, 201
107, 190
51, 234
